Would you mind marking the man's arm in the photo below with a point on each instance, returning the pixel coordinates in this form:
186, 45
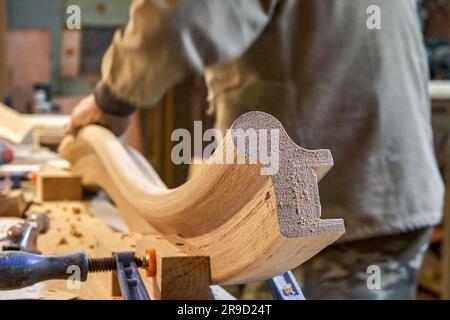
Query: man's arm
165, 39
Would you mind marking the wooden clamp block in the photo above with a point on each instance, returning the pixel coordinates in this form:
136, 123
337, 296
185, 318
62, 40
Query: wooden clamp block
182, 272
58, 185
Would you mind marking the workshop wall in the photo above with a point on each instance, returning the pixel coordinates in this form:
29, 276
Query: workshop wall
437, 37
3, 77
74, 58
42, 50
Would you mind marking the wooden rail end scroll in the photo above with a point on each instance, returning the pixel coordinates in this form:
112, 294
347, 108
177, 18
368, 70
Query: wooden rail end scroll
251, 225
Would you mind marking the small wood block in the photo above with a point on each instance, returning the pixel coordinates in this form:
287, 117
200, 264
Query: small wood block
182, 272
58, 186
12, 204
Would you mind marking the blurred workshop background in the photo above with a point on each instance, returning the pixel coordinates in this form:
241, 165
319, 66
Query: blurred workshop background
46, 68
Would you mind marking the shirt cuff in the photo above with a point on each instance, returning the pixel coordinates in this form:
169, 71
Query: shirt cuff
109, 103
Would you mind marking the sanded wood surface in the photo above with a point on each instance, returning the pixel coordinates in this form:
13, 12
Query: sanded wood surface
74, 228
252, 226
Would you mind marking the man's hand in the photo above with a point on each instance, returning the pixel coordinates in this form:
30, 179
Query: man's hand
88, 112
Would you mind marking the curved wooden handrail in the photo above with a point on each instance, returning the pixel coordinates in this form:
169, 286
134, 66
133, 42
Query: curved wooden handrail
252, 226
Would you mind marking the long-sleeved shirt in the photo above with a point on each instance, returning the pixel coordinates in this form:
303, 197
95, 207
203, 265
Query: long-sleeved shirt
321, 68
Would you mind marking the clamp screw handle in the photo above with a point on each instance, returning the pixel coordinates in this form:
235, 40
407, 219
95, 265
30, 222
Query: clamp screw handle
150, 262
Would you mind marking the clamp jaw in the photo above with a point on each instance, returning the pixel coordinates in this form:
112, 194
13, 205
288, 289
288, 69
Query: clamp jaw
21, 269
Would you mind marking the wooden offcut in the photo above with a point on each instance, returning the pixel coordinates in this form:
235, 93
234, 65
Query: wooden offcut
251, 226
58, 185
12, 204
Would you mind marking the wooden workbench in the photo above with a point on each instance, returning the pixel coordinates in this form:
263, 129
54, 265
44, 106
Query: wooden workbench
74, 228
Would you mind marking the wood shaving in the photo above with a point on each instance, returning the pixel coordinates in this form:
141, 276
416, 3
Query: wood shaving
74, 232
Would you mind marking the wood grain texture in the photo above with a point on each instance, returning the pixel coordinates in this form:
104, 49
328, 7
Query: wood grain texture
11, 204
252, 226
182, 272
58, 185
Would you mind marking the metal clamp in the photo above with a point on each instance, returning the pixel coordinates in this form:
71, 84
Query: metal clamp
130, 282
285, 287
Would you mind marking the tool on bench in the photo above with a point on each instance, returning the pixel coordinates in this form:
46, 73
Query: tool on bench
6, 153
15, 178
6, 157
23, 235
21, 269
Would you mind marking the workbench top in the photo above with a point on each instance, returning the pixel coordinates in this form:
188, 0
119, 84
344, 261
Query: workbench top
73, 227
